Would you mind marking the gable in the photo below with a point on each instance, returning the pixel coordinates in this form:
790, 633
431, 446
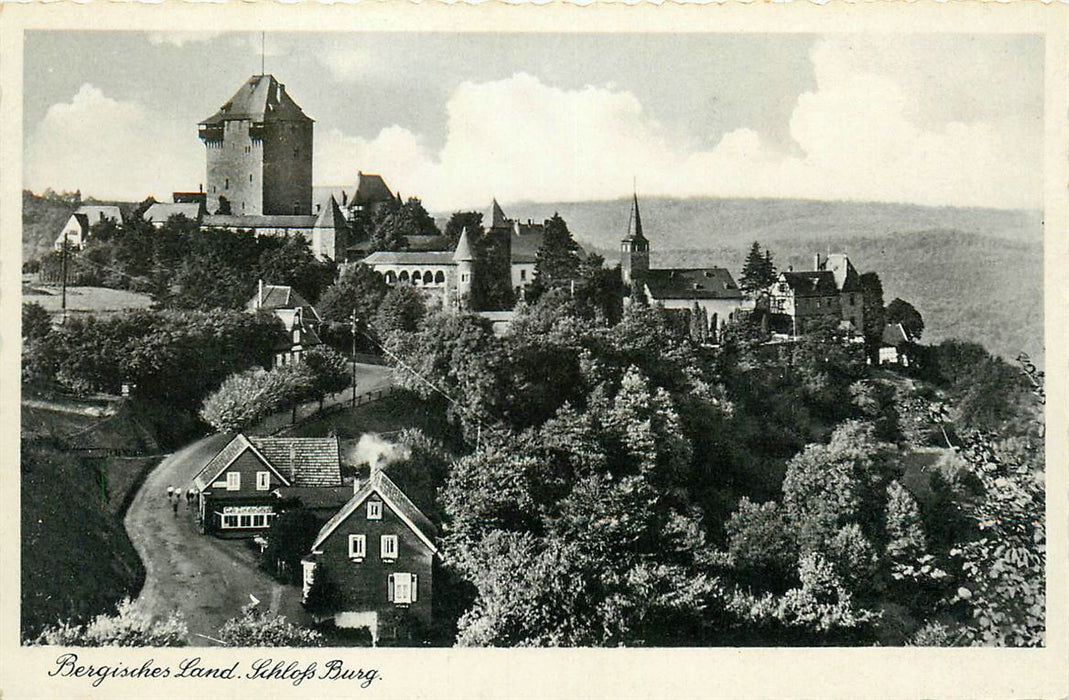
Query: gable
406, 512
231, 452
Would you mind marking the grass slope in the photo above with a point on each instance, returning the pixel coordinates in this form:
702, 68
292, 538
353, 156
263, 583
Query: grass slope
76, 558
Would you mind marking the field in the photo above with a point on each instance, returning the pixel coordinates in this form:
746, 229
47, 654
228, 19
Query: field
85, 300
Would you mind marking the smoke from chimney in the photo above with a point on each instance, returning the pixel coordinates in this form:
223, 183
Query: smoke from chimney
373, 450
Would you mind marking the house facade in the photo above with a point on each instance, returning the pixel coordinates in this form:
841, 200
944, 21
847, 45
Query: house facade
76, 231
299, 319
236, 488
377, 555
894, 345
443, 276
831, 291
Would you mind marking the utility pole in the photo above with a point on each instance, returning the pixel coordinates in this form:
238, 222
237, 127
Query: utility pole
63, 267
352, 328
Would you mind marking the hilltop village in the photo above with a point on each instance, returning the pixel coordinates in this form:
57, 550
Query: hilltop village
610, 452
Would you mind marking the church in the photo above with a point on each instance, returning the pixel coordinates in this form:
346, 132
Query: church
710, 290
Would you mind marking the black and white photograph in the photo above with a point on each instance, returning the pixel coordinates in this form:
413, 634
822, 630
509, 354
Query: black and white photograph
352, 338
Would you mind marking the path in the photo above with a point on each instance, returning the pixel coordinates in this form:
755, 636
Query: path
207, 579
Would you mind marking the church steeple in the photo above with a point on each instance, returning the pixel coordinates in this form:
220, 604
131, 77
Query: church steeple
635, 248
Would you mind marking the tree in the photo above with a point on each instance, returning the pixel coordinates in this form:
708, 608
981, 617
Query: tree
761, 543
758, 272
293, 263
557, 260
401, 309
131, 626
330, 372
460, 220
291, 537
36, 322
392, 230
361, 290
323, 594
262, 629
905, 533
899, 311
872, 310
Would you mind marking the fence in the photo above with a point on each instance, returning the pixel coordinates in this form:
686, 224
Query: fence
334, 403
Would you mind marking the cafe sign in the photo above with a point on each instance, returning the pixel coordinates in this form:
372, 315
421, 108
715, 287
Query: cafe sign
248, 510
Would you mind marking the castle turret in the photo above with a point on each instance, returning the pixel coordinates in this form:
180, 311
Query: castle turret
464, 259
259, 152
635, 249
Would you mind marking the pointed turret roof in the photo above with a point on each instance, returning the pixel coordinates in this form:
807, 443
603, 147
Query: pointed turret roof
497, 216
463, 250
634, 223
261, 98
330, 216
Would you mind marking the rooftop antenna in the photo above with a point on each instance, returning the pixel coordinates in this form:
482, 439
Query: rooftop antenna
263, 52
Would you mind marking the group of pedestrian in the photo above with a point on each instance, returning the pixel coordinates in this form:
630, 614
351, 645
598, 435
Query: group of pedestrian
174, 495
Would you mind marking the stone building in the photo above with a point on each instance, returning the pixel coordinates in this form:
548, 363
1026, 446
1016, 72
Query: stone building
831, 291
259, 153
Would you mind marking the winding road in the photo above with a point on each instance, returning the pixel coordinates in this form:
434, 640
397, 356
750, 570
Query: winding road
205, 578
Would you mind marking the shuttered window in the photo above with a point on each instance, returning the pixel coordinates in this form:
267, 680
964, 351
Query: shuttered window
402, 589
357, 546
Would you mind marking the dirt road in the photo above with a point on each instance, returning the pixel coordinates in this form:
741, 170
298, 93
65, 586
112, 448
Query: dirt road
205, 578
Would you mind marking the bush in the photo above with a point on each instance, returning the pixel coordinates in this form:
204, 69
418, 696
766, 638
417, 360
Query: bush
262, 629
132, 626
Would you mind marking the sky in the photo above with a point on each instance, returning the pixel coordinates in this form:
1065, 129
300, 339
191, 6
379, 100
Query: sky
457, 119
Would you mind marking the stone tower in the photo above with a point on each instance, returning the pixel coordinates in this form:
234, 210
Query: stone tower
635, 249
259, 152
465, 262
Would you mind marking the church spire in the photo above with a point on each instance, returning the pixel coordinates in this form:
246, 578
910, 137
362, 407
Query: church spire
634, 224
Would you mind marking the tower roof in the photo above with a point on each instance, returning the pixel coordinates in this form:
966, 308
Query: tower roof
634, 222
370, 189
463, 250
330, 216
261, 98
497, 216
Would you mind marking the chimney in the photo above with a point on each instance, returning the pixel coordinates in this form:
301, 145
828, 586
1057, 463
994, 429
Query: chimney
318, 207
816, 261
344, 197
259, 293
356, 484
200, 187
790, 268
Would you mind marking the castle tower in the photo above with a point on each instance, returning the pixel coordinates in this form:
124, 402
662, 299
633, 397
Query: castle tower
259, 152
464, 260
635, 249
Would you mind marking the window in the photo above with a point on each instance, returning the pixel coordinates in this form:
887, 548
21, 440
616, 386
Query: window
402, 588
357, 546
226, 184
246, 521
296, 336
230, 521
523, 274
388, 546
851, 300
374, 510
233, 481
263, 481
250, 177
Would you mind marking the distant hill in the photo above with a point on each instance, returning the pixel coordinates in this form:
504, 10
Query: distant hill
974, 274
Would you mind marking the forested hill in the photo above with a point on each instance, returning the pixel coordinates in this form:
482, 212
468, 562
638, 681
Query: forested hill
974, 274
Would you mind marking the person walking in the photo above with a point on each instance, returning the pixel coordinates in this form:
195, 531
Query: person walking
170, 492
174, 505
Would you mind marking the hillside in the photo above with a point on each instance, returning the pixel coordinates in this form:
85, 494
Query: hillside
44, 215
974, 274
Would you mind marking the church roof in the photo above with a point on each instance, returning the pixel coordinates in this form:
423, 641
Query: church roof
693, 283
634, 222
463, 250
261, 98
497, 216
370, 188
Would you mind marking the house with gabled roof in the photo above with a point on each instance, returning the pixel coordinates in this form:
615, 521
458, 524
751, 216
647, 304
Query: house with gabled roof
831, 291
895, 342
299, 319
377, 556
76, 231
236, 489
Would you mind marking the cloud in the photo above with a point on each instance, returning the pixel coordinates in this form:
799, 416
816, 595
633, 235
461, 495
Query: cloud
180, 39
857, 136
111, 149
346, 65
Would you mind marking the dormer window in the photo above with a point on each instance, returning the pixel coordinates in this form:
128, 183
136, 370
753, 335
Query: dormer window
374, 510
